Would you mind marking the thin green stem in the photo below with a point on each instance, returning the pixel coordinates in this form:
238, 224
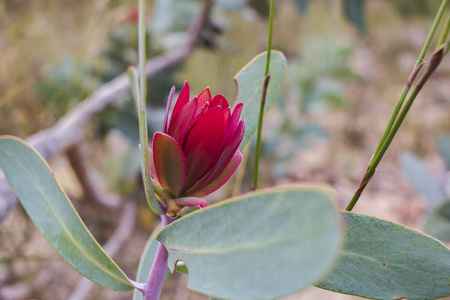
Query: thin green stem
263, 97
377, 157
444, 34
393, 118
399, 113
436, 21
258, 136
141, 100
352, 202
376, 160
269, 41
424, 50
142, 53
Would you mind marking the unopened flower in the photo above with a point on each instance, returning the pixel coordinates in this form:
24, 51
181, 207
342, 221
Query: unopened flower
197, 151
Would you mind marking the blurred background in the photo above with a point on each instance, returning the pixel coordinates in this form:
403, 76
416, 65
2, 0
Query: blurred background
348, 61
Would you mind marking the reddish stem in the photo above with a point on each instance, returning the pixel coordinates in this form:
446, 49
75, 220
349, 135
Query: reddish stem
153, 287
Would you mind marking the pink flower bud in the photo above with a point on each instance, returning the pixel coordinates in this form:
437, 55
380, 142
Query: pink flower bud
197, 151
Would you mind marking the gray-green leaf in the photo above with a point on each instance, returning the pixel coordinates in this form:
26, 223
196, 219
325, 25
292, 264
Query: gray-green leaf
262, 245
437, 223
143, 138
250, 80
421, 179
385, 260
54, 216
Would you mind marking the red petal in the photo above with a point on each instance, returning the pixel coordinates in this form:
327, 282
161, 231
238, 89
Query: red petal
220, 100
181, 123
221, 179
169, 103
226, 114
202, 148
199, 114
204, 97
234, 135
234, 119
232, 140
170, 164
183, 98
228, 150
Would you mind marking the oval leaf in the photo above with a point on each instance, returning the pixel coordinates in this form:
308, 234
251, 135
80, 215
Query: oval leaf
262, 245
385, 260
250, 80
55, 217
437, 223
421, 179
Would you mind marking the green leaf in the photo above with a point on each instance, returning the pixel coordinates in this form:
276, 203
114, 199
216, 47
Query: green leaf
134, 86
54, 216
421, 179
385, 260
143, 137
437, 223
145, 264
250, 81
262, 245
139, 91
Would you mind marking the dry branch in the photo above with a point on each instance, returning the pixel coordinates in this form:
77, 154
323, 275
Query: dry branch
93, 193
70, 130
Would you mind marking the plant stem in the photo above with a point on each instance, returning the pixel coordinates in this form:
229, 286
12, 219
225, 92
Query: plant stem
269, 40
263, 97
142, 52
141, 95
258, 136
398, 116
396, 126
378, 156
392, 119
444, 34
417, 67
153, 287
436, 21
